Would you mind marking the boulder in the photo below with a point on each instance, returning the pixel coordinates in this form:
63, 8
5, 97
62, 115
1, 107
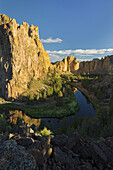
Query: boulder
25, 141
13, 156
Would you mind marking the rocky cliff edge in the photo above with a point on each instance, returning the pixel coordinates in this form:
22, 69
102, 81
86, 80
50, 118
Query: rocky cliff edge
22, 56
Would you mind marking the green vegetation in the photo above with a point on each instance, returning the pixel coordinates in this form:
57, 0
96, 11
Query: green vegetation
45, 132
53, 97
100, 126
45, 95
3, 124
31, 97
60, 94
37, 96
102, 123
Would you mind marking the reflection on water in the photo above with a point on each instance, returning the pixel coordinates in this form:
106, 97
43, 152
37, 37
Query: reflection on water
28, 120
85, 106
52, 123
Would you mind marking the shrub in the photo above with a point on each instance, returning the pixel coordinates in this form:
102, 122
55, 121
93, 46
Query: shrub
45, 132
84, 73
31, 97
1, 99
57, 87
64, 90
40, 95
45, 95
60, 94
50, 91
13, 99
37, 97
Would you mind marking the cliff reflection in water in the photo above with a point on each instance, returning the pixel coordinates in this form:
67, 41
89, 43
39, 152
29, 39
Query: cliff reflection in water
74, 89
15, 114
85, 109
50, 123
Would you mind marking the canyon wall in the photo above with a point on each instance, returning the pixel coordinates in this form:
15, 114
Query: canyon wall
22, 56
96, 66
101, 66
68, 64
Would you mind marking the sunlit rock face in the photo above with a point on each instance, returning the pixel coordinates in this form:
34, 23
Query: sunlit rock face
15, 114
105, 65
102, 66
68, 64
22, 56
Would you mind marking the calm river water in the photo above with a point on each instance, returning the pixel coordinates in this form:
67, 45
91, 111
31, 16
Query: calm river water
86, 108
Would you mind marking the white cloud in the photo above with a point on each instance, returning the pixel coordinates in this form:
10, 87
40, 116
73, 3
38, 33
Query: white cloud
93, 53
51, 40
86, 59
54, 57
82, 52
83, 60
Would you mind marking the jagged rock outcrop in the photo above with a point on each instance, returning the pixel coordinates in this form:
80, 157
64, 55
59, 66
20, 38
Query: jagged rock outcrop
102, 66
68, 64
61, 152
13, 156
22, 56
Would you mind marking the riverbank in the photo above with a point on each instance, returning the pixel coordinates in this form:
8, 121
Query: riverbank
90, 96
49, 107
100, 125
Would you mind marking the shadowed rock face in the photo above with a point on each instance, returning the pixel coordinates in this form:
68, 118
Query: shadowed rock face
22, 56
97, 66
59, 153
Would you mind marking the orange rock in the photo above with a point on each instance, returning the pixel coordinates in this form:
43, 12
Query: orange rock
22, 56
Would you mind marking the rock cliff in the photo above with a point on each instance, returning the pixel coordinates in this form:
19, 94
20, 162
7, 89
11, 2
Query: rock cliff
104, 65
22, 56
68, 64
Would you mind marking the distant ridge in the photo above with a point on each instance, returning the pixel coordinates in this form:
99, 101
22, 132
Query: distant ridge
102, 66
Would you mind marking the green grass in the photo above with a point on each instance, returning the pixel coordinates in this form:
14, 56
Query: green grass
59, 107
57, 100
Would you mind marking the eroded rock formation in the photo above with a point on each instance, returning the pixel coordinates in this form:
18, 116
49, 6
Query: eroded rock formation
104, 65
22, 56
68, 64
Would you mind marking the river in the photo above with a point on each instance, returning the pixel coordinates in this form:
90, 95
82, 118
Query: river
85, 109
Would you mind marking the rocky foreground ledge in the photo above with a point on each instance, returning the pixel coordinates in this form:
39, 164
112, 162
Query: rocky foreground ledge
59, 153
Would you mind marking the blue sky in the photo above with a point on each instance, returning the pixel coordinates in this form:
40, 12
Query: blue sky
83, 28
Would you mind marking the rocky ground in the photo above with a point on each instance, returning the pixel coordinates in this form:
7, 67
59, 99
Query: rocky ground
34, 152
